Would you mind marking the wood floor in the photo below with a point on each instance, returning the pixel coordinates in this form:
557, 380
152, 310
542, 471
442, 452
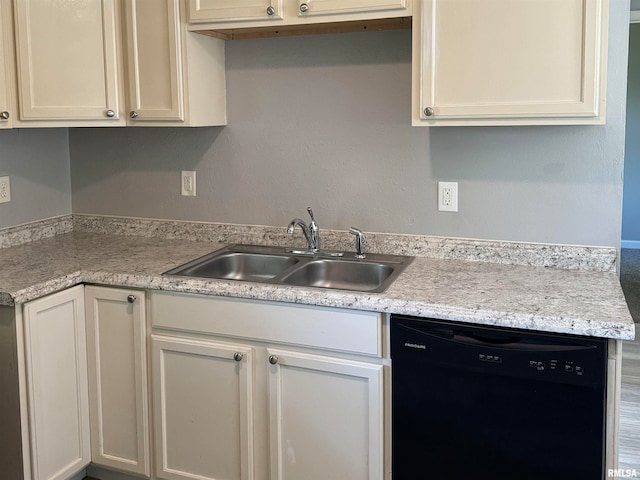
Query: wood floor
629, 446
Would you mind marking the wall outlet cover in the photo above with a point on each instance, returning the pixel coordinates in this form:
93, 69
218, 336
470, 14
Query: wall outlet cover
448, 196
5, 189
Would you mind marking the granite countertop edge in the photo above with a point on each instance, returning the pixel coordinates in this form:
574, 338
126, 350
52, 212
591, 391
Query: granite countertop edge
381, 302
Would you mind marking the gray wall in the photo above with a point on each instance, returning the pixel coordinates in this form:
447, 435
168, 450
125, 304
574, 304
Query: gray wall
325, 121
631, 203
37, 161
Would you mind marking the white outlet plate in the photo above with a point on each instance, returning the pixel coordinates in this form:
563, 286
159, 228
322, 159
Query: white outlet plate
5, 189
448, 196
188, 183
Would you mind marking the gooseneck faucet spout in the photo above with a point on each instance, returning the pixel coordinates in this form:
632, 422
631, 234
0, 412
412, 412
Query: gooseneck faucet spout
311, 232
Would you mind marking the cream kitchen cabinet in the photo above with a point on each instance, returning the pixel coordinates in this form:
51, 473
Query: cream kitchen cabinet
117, 366
505, 62
249, 14
325, 417
56, 386
7, 63
254, 390
203, 409
67, 62
174, 77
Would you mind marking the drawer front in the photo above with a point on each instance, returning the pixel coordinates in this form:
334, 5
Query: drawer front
349, 331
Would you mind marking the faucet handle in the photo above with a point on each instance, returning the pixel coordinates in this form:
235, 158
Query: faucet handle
311, 214
360, 239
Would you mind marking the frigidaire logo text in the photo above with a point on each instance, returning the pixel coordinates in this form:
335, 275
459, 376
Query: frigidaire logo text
415, 345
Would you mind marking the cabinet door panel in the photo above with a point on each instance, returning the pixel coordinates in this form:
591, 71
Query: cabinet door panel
6, 59
203, 409
233, 10
337, 7
154, 59
117, 379
511, 58
67, 61
326, 418
56, 360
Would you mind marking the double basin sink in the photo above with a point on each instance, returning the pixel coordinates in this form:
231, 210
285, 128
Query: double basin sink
281, 266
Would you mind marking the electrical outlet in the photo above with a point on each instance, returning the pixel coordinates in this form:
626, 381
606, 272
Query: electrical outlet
188, 183
5, 189
448, 196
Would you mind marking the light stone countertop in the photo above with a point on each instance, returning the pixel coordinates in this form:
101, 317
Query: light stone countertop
536, 298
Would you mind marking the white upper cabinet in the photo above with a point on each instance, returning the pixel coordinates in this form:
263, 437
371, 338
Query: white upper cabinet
501, 62
340, 7
6, 65
234, 10
67, 57
246, 14
174, 77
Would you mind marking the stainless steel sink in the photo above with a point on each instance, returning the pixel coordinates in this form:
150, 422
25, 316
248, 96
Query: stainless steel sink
341, 274
278, 265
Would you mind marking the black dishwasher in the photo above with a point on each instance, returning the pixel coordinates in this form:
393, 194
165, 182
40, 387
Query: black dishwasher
496, 404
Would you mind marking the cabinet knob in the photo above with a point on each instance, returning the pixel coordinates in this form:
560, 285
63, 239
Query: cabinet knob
270, 10
237, 356
304, 8
4, 115
133, 114
131, 298
428, 112
273, 359
110, 113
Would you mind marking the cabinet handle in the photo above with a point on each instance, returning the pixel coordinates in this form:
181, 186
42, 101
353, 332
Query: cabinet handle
4, 115
270, 10
428, 112
133, 114
131, 298
304, 8
273, 359
237, 356
110, 113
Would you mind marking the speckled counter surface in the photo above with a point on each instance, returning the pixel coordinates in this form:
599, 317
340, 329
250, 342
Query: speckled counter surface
538, 298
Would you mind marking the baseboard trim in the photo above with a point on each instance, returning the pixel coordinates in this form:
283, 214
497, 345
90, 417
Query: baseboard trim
635, 244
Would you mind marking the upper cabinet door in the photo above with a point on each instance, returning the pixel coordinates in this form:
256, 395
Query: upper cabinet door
337, 7
509, 61
154, 60
67, 60
6, 61
234, 10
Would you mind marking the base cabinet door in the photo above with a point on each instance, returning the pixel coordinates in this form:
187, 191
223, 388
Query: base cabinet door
118, 378
203, 409
326, 418
56, 372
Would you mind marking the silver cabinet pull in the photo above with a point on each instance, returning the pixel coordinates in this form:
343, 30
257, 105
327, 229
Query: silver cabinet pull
237, 356
270, 10
4, 115
428, 112
273, 359
304, 8
131, 298
110, 113
133, 114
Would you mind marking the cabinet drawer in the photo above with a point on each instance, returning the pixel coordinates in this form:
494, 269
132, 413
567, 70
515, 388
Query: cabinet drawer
323, 328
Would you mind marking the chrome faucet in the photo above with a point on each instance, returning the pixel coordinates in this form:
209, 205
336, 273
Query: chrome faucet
311, 232
360, 239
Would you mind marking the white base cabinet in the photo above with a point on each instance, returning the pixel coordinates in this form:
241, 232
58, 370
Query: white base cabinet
325, 417
56, 378
117, 360
247, 390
